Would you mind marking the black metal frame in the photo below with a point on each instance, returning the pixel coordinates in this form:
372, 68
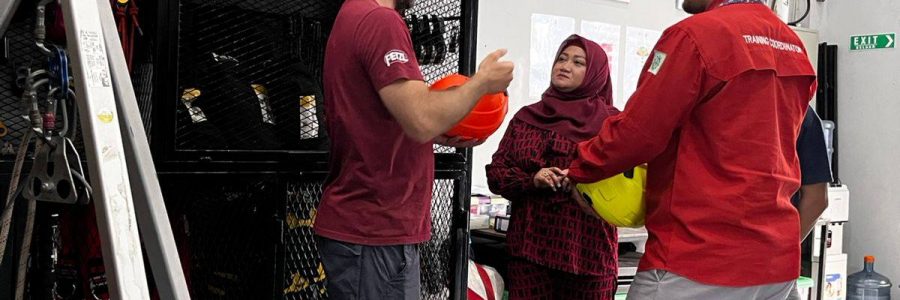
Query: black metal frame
178, 164
827, 108
459, 238
295, 163
281, 252
467, 65
168, 158
826, 99
166, 81
270, 230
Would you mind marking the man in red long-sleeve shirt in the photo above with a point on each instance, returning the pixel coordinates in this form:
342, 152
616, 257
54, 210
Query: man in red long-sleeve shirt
716, 116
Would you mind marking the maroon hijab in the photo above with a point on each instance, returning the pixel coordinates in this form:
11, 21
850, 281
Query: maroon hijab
577, 114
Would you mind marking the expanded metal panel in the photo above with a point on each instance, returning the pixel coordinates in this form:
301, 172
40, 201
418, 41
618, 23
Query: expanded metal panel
142, 79
322, 9
436, 253
18, 56
436, 31
22, 52
303, 276
228, 233
250, 74
250, 71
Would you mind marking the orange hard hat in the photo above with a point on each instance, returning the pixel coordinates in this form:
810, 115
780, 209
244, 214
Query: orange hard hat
484, 119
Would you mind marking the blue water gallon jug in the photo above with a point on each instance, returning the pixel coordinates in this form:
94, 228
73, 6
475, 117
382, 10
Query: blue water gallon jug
868, 284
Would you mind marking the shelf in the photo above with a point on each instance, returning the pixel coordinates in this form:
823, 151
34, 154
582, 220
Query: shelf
627, 235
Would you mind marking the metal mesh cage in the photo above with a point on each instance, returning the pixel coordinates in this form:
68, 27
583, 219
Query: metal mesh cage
303, 275
250, 71
228, 227
436, 253
19, 55
249, 78
230, 230
250, 74
142, 79
435, 28
20, 51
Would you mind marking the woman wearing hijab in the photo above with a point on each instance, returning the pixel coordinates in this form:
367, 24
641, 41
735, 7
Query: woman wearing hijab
558, 251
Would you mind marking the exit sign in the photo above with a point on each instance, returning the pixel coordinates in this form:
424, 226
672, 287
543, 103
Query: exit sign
872, 41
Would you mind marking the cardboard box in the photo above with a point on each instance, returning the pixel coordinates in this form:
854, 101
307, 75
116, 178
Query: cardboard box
834, 286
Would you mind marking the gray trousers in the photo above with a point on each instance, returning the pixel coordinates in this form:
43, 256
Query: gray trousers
795, 294
662, 285
370, 272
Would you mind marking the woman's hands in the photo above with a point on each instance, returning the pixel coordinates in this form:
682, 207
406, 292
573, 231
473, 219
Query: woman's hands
553, 178
557, 179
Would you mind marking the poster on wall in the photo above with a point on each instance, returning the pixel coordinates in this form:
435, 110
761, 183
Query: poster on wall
547, 32
608, 36
639, 44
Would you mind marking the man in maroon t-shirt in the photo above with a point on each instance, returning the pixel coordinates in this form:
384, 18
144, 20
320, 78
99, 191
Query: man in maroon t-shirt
382, 120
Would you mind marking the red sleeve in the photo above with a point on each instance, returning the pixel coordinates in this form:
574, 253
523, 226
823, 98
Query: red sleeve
385, 48
668, 89
505, 177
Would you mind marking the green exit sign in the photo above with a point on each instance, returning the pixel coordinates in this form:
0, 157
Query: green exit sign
872, 41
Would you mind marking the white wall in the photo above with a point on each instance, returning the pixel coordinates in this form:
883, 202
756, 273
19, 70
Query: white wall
507, 24
869, 129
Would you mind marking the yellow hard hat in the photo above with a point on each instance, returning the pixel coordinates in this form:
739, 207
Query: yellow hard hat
619, 199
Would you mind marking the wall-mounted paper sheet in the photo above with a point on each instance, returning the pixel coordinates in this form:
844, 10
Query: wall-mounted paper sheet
639, 44
609, 37
547, 32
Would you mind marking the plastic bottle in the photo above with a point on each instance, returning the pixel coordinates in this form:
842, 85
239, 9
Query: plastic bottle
868, 284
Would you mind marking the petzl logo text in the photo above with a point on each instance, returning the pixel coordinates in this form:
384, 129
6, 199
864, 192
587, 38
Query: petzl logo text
395, 56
